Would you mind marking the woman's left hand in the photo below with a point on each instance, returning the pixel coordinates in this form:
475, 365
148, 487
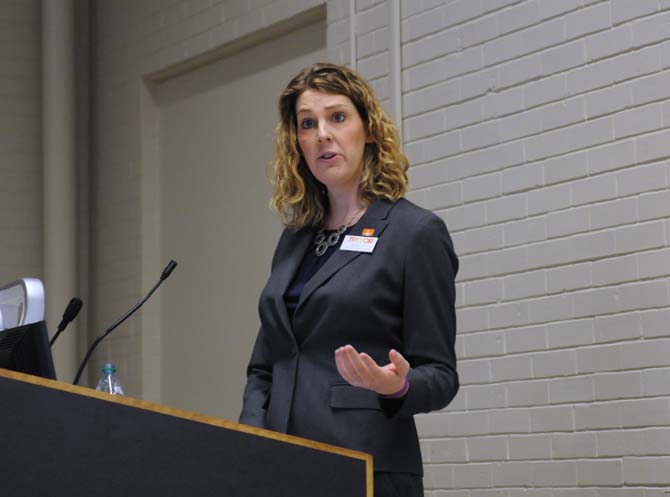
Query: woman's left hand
360, 370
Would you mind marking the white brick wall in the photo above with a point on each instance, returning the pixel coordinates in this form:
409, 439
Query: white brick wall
539, 131
20, 141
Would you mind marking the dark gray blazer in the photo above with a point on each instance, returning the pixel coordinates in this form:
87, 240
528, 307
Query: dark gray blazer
400, 296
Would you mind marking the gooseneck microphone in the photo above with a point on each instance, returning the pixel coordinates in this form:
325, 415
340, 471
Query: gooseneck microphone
69, 314
166, 272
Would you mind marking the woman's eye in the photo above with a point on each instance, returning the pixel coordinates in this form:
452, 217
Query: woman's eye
307, 123
339, 117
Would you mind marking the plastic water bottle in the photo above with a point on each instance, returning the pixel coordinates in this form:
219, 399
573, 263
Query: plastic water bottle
109, 383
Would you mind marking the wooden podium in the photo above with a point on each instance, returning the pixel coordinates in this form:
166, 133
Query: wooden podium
61, 440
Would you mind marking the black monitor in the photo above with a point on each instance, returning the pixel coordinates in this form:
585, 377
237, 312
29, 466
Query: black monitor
26, 349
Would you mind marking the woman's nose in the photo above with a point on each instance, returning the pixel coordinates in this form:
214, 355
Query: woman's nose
323, 132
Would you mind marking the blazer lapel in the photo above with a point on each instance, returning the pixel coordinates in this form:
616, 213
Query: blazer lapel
375, 218
285, 272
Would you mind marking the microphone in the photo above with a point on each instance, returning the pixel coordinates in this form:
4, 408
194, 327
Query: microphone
69, 314
166, 272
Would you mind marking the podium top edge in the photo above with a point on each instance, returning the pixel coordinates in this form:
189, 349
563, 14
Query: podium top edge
187, 415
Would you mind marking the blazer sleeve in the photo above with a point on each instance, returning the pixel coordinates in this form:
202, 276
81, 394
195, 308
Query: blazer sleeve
429, 321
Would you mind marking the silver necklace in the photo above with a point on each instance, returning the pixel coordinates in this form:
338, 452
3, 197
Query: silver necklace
322, 241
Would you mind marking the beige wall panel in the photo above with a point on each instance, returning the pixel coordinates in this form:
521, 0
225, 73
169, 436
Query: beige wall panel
216, 140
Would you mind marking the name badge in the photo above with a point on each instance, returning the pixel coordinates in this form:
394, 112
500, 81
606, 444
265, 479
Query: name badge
359, 243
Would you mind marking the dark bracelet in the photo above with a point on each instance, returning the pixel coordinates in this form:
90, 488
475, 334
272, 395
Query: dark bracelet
399, 393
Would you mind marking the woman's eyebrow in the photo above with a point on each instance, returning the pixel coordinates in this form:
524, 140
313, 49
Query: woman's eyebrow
327, 107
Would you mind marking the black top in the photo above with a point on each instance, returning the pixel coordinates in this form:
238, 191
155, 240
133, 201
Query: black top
309, 266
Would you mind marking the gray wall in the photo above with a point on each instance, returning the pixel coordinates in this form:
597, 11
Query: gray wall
538, 129
20, 141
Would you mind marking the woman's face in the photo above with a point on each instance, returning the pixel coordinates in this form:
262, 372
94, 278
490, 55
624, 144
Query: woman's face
332, 137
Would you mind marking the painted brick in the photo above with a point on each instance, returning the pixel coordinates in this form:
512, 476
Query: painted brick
432, 97
509, 421
566, 167
519, 17
524, 285
621, 442
484, 291
545, 90
526, 447
612, 156
525, 231
549, 199
506, 315
590, 77
528, 393
623, 10
608, 100
570, 333
598, 416
485, 397
638, 63
554, 418
479, 31
506, 208
511, 368
487, 448
526, 339
482, 187
639, 120
551, 308
640, 237
604, 473
519, 125
609, 42
474, 371
564, 57
520, 70
587, 21
594, 189
568, 222
642, 179
556, 363
522, 178
646, 471
510, 474
431, 47
484, 344
467, 423
479, 83
422, 24
655, 323
555, 474
654, 205
452, 450
481, 135
650, 88
645, 412
612, 386
655, 382
573, 445
615, 270
614, 213
579, 389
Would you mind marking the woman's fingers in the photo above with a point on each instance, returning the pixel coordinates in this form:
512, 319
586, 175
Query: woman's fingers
361, 370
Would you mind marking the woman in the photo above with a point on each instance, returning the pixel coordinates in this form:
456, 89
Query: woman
357, 318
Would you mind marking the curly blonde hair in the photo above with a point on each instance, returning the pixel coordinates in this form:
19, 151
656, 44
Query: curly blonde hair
298, 197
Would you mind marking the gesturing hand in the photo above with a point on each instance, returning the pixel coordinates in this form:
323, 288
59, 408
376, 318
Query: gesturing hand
360, 370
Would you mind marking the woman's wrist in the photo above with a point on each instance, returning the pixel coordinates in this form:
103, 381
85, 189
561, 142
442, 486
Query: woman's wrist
400, 393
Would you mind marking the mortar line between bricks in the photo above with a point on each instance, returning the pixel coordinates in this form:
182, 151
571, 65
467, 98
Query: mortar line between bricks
534, 52
590, 230
540, 107
497, 11
536, 79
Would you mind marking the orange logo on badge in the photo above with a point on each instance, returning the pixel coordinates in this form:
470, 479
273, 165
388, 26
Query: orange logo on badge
368, 231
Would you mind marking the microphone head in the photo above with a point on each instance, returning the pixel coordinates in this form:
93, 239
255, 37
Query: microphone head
72, 309
168, 269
